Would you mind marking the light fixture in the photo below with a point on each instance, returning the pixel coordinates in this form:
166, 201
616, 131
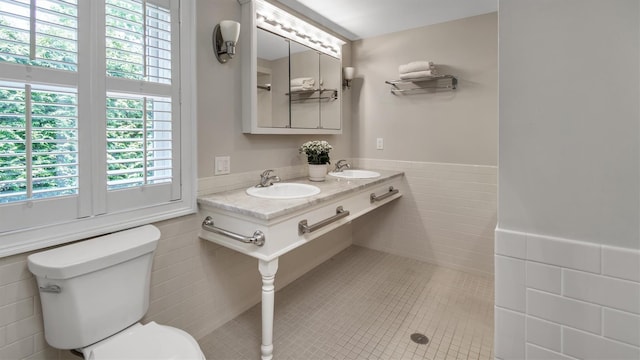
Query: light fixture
273, 19
347, 76
225, 36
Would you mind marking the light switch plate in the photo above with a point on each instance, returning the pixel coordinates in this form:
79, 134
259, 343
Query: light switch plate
222, 165
379, 144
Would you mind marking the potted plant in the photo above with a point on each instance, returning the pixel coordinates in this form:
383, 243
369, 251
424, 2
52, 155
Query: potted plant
317, 152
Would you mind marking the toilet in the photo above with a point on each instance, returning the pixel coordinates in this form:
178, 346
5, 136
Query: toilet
95, 292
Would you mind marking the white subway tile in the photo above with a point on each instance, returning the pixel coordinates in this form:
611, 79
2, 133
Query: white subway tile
13, 272
45, 354
621, 263
39, 342
621, 326
603, 290
509, 334
17, 350
537, 353
24, 328
544, 333
564, 253
511, 243
582, 345
16, 311
509, 283
17, 291
564, 311
544, 277
3, 337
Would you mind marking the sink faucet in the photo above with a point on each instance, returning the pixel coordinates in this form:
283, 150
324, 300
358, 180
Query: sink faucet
341, 164
266, 179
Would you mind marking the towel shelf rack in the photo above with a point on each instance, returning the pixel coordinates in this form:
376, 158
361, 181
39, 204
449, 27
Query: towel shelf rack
436, 82
305, 95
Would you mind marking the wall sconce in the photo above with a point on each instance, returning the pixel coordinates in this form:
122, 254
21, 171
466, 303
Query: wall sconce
225, 36
347, 76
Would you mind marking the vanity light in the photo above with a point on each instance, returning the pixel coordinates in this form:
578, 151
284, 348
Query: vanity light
280, 22
225, 37
347, 76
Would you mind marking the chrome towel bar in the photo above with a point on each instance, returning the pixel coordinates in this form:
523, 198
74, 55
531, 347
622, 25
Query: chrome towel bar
373, 197
258, 237
304, 228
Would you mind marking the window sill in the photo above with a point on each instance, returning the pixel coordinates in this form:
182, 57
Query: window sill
18, 242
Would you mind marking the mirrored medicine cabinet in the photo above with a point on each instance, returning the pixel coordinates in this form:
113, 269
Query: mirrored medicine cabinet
290, 84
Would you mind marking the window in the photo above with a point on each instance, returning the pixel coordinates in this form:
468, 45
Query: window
93, 137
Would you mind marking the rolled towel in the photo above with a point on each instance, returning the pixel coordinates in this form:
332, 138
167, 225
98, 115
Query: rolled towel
415, 66
302, 81
417, 74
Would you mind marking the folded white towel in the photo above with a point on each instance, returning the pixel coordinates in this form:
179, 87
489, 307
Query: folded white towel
309, 81
302, 88
417, 74
415, 66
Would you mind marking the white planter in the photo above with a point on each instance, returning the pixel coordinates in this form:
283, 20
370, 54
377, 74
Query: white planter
317, 172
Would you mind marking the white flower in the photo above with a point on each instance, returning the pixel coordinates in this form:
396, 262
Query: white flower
317, 151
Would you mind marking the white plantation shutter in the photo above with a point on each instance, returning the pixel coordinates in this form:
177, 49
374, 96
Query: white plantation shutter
42, 33
39, 159
140, 110
45, 142
69, 167
139, 141
138, 41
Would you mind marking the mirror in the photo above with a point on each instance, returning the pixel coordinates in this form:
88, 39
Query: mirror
298, 87
291, 74
273, 80
330, 109
305, 85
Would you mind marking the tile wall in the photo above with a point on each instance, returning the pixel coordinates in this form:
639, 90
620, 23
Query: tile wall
196, 285
565, 299
447, 215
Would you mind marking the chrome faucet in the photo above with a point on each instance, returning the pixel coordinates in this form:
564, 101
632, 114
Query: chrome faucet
341, 164
266, 179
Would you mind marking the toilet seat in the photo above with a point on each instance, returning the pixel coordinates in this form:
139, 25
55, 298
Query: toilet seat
150, 341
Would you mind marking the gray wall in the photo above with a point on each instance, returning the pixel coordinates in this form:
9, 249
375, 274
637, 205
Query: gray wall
445, 142
569, 90
450, 127
219, 108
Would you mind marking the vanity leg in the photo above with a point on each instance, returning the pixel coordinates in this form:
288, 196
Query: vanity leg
268, 271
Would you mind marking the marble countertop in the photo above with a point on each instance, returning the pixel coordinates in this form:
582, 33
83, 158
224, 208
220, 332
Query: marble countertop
238, 201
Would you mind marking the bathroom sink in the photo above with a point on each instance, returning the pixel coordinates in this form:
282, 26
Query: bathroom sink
355, 174
284, 191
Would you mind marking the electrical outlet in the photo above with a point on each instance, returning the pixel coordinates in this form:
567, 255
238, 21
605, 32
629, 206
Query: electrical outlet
222, 165
379, 143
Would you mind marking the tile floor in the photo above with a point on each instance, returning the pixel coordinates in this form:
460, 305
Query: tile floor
365, 304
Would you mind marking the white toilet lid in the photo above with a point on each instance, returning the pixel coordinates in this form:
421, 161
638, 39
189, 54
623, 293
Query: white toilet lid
150, 341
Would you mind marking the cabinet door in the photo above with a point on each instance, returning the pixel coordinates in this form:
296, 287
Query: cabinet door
273, 80
330, 108
305, 84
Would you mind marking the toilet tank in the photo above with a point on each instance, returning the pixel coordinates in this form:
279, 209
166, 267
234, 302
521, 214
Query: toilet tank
95, 288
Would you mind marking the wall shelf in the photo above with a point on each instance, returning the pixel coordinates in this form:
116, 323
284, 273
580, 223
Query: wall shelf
313, 94
437, 82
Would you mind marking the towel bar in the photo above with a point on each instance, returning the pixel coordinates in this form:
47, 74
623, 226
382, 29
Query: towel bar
258, 237
303, 228
373, 197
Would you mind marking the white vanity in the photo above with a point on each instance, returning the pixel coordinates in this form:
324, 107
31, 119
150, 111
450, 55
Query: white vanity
268, 228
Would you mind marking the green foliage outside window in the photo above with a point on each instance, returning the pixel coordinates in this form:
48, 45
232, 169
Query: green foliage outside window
54, 134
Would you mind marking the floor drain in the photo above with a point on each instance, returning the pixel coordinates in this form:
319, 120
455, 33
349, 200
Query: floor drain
419, 338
